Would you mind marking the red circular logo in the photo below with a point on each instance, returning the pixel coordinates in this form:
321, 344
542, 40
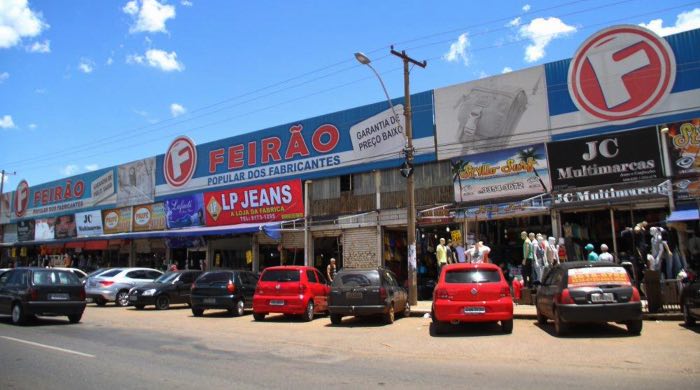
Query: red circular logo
21, 201
180, 161
621, 73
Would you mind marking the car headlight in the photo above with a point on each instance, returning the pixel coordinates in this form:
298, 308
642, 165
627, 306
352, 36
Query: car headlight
149, 293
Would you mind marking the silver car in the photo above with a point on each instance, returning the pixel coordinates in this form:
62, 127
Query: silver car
114, 285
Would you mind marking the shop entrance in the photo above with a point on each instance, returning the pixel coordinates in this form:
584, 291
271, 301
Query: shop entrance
503, 236
326, 248
232, 253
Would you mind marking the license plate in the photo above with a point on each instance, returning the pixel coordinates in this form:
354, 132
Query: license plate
601, 298
210, 301
353, 295
277, 303
58, 297
475, 310
133, 297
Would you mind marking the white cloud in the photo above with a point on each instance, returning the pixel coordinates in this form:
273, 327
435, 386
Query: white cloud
134, 59
4, 76
69, 170
177, 110
541, 32
526, 7
40, 91
6, 122
507, 69
458, 50
514, 23
17, 21
685, 21
92, 167
159, 59
86, 65
150, 16
32, 126
40, 47
186, 3
109, 61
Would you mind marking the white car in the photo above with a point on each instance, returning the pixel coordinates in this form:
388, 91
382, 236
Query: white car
77, 272
113, 285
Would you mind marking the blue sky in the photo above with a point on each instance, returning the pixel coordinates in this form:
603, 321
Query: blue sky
91, 84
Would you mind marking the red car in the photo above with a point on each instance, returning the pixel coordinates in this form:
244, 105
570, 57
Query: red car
291, 290
472, 293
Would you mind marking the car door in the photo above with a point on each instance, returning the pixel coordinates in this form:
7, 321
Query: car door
312, 283
324, 290
135, 278
5, 298
182, 287
248, 285
395, 291
546, 293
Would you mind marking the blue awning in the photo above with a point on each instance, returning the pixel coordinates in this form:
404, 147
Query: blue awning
684, 215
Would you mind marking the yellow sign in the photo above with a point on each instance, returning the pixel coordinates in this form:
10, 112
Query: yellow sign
456, 236
14, 252
249, 257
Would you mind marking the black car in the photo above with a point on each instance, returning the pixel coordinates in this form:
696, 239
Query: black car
588, 292
27, 292
169, 288
690, 302
232, 290
365, 292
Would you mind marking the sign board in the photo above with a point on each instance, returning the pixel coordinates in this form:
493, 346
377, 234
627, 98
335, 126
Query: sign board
185, 211
628, 192
65, 226
684, 147
149, 217
116, 220
9, 233
136, 182
89, 223
44, 229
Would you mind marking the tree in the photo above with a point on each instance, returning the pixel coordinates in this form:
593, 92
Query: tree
457, 167
530, 153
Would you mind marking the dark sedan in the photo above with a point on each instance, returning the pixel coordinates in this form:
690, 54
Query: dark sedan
232, 290
28, 292
364, 292
588, 292
690, 302
170, 288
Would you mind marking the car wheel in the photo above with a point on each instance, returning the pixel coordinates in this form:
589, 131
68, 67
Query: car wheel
258, 316
309, 312
634, 327
197, 312
687, 318
406, 310
240, 308
162, 302
122, 298
18, 315
541, 319
336, 319
560, 327
99, 301
507, 326
75, 318
390, 314
139, 307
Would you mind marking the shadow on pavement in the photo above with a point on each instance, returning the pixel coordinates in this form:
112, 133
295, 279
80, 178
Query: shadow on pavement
174, 306
588, 331
467, 330
695, 328
363, 321
40, 321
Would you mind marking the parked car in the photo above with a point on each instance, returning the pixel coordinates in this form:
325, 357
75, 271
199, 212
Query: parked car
588, 292
169, 288
690, 302
113, 285
468, 292
223, 289
295, 290
26, 292
77, 272
364, 292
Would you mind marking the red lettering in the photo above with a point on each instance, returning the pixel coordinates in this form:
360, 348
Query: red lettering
296, 145
333, 135
79, 189
271, 149
68, 193
216, 157
251, 154
58, 193
235, 157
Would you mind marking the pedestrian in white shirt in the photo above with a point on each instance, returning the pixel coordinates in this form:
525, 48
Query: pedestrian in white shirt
604, 254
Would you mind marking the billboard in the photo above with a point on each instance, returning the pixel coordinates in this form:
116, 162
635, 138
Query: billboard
684, 147
25, 230
149, 217
116, 220
492, 113
89, 223
261, 203
44, 229
514, 172
185, 211
9, 233
65, 226
136, 182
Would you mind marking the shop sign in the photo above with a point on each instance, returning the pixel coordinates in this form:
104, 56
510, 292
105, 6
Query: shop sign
491, 113
102, 187
45, 229
499, 174
262, 203
611, 194
149, 217
606, 159
137, 182
509, 209
89, 223
185, 211
65, 226
684, 147
10, 233
117, 220
21, 201
686, 189
25, 230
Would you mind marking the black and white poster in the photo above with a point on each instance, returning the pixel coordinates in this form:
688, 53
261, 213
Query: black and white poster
25, 230
625, 157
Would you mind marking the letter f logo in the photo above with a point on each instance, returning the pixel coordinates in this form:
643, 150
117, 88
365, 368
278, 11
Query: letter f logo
180, 162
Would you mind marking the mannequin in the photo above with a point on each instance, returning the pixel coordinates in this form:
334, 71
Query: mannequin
552, 252
478, 254
561, 248
528, 257
540, 257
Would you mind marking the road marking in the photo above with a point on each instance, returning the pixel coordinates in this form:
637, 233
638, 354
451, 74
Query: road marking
48, 347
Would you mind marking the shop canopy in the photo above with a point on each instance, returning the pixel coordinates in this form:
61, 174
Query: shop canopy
684, 215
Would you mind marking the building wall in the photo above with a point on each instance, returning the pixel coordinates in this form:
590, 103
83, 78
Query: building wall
360, 248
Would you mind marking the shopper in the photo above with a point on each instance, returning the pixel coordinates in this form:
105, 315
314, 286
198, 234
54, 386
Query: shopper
441, 254
605, 255
331, 270
590, 253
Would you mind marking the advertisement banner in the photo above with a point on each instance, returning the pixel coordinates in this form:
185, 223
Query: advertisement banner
65, 226
185, 211
686, 189
514, 172
149, 217
117, 220
614, 193
45, 229
89, 223
262, 203
102, 187
605, 159
492, 113
10, 233
136, 182
532, 206
6, 206
684, 147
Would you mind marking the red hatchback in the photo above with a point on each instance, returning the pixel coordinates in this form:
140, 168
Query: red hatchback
472, 293
291, 290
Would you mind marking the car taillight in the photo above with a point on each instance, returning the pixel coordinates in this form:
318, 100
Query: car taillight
442, 294
505, 291
564, 298
106, 283
230, 287
82, 294
33, 294
382, 293
635, 295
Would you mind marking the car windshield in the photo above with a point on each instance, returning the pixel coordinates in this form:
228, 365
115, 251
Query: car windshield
598, 276
167, 277
357, 279
54, 278
472, 276
213, 277
281, 275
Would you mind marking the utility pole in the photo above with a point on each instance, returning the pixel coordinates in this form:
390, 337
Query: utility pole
2, 186
408, 152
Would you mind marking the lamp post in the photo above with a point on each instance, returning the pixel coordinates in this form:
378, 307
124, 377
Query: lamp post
2, 187
406, 169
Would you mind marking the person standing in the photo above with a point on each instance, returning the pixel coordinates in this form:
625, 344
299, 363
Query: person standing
590, 253
331, 270
605, 255
441, 255
449, 249
528, 257
67, 261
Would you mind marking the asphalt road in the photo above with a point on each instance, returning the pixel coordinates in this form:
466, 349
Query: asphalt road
129, 349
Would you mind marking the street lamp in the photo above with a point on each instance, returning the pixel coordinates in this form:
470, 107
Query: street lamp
364, 60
